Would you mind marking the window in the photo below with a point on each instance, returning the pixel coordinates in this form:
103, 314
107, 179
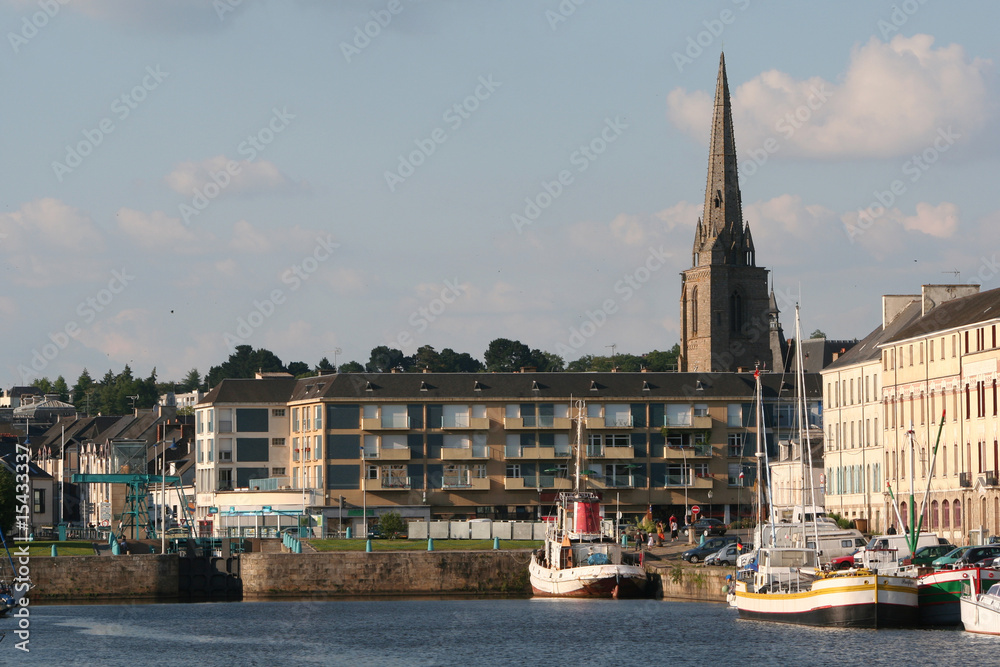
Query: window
694, 306
277, 442
225, 457
277, 472
225, 479
930, 349
513, 470
371, 471
38, 501
295, 420
277, 412
735, 445
734, 415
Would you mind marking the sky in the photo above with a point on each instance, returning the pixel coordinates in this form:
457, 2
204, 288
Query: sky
319, 178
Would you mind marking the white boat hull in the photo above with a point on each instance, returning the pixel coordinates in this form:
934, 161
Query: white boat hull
602, 581
862, 600
981, 614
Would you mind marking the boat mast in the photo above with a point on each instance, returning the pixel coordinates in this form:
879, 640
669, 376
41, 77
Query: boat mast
804, 448
761, 455
580, 406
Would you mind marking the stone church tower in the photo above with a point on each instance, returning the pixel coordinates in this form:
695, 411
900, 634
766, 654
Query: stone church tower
727, 322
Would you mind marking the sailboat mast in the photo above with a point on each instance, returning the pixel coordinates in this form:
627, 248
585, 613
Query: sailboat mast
579, 444
803, 419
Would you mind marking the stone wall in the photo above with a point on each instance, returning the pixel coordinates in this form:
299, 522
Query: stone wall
689, 582
384, 573
96, 577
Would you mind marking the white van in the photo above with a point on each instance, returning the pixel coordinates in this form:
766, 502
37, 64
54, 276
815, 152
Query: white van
885, 551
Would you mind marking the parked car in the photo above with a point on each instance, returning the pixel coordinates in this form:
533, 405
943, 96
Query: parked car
711, 545
843, 562
968, 555
713, 526
926, 555
728, 554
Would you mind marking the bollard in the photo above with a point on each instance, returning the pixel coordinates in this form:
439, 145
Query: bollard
348, 532
368, 546
430, 544
496, 542
625, 540
55, 552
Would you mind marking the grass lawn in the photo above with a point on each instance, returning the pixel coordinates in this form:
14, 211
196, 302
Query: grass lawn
421, 545
44, 548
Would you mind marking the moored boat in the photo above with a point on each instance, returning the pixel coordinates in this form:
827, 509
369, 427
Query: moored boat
981, 611
579, 560
939, 592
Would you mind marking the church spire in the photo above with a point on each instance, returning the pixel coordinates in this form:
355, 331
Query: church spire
723, 216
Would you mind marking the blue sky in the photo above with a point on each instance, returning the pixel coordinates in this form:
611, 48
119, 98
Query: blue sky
183, 177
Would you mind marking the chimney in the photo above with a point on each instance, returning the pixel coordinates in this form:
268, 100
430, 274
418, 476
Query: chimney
932, 296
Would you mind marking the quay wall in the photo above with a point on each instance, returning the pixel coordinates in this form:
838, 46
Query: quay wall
349, 573
678, 581
140, 577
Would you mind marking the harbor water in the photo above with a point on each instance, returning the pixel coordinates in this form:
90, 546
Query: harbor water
460, 632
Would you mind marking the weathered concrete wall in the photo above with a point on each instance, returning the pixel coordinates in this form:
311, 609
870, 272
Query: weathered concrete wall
97, 577
689, 582
385, 573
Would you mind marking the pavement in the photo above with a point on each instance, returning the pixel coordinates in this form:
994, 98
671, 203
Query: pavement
671, 551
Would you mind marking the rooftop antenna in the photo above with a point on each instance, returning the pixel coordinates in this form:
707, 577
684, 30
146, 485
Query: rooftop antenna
613, 347
132, 400
956, 273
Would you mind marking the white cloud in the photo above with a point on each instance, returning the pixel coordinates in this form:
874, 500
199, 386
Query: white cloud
891, 101
157, 231
230, 176
48, 242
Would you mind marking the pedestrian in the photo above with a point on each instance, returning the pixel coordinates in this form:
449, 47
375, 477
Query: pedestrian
673, 529
659, 533
652, 538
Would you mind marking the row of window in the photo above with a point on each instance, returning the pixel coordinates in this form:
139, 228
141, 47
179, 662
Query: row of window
853, 479
841, 393
918, 404
901, 464
902, 356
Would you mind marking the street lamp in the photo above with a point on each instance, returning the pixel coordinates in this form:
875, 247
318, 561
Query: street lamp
710, 502
364, 493
163, 495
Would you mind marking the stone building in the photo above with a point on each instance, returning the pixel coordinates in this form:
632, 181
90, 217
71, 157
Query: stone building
727, 319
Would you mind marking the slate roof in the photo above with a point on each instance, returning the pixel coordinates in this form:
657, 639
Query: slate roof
251, 390
868, 348
542, 386
953, 314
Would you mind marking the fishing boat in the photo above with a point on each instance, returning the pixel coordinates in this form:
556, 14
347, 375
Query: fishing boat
981, 611
788, 585
580, 558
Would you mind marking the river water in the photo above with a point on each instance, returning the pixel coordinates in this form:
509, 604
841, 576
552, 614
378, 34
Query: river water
506, 632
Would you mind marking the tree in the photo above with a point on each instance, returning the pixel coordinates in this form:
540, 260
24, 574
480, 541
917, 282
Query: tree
817, 334
507, 356
324, 366
383, 359
351, 367
244, 362
60, 387
455, 362
546, 362
81, 390
191, 381
427, 357
7, 500
43, 384
299, 369
391, 525
661, 362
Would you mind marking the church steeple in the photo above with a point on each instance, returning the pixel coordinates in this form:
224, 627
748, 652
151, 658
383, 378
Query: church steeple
727, 322
721, 238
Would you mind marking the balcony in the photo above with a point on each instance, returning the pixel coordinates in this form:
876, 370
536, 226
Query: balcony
607, 452
464, 422
627, 482
531, 483
609, 422
965, 479
465, 481
389, 423
465, 453
532, 422
533, 453
701, 423
390, 454
693, 451
395, 483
